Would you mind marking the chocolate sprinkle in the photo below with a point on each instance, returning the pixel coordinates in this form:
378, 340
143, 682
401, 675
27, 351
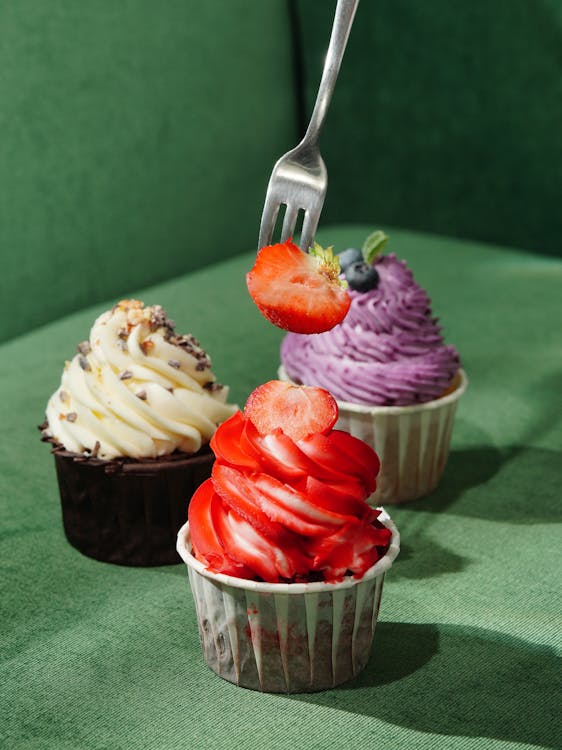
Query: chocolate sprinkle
141, 395
125, 375
84, 364
159, 319
213, 387
71, 416
96, 449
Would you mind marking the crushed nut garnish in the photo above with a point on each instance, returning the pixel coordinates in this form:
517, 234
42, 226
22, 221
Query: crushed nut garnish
84, 347
141, 395
96, 449
174, 363
125, 375
71, 416
146, 345
63, 396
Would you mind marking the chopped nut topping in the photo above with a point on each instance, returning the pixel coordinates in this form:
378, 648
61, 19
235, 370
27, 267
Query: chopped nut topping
96, 449
174, 363
125, 375
71, 416
141, 395
84, 347
147, 345
63, 395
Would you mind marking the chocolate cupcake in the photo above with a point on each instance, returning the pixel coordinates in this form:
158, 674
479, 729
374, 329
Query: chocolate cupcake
130, 426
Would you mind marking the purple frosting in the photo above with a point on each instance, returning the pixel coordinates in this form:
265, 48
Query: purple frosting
388, 351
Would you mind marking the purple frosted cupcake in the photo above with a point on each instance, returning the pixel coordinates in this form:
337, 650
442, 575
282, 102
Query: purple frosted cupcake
396, 381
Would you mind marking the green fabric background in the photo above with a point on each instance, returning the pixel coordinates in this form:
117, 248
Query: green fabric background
128, 145
446, 117
99, 657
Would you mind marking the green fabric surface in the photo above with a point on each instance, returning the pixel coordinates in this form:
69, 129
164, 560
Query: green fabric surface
100, 657
446, 117
129, 149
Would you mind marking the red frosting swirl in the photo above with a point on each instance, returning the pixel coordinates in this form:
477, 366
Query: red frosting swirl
280, 510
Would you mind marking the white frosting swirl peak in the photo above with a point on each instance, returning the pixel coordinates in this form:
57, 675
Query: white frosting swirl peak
136, 389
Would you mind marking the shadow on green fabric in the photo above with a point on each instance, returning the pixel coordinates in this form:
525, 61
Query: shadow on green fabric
499, 485
455, 681
425, 559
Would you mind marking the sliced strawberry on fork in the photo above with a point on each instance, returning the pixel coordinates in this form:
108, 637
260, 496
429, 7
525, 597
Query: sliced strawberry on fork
297, 291
298, 410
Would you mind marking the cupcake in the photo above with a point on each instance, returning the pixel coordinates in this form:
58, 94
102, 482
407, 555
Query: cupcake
396, 381
285, 557
130, 426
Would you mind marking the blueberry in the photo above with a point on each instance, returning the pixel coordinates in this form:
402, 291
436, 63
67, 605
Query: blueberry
361, 276
349, 256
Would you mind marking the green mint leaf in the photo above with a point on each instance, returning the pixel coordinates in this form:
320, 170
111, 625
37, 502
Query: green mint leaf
374, 245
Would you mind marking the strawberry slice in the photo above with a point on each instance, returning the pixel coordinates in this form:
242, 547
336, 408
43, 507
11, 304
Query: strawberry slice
297, 410
301, 292
203, 515
226, 446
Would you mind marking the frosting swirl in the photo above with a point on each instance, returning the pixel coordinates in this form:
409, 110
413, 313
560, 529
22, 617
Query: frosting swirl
136, 389
387, 351
280, 510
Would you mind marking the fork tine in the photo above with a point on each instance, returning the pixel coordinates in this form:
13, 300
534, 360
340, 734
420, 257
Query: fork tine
268, 219
289, 222
308, 229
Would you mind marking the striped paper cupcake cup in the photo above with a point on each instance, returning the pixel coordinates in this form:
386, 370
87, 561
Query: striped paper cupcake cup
286, 638
412, 442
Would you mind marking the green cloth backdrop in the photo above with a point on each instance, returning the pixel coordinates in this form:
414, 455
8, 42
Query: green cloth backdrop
128, 145
446, 117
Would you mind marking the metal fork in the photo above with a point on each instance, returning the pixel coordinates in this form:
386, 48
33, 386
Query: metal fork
299, 178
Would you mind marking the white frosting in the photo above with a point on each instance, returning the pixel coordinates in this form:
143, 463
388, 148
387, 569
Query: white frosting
136, 389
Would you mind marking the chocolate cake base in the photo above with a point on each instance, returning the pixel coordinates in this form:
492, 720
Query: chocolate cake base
128, 511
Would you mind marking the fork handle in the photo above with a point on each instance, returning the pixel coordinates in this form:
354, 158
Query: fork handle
343, 18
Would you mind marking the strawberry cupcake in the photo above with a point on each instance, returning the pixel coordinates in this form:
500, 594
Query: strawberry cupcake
286, 559
396, 381
130, 426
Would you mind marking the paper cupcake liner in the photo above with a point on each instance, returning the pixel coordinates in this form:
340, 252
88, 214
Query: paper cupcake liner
412, 442
128, 512
286, 638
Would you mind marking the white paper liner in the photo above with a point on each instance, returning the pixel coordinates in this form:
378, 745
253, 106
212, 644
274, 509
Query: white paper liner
286, 638
412, 442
